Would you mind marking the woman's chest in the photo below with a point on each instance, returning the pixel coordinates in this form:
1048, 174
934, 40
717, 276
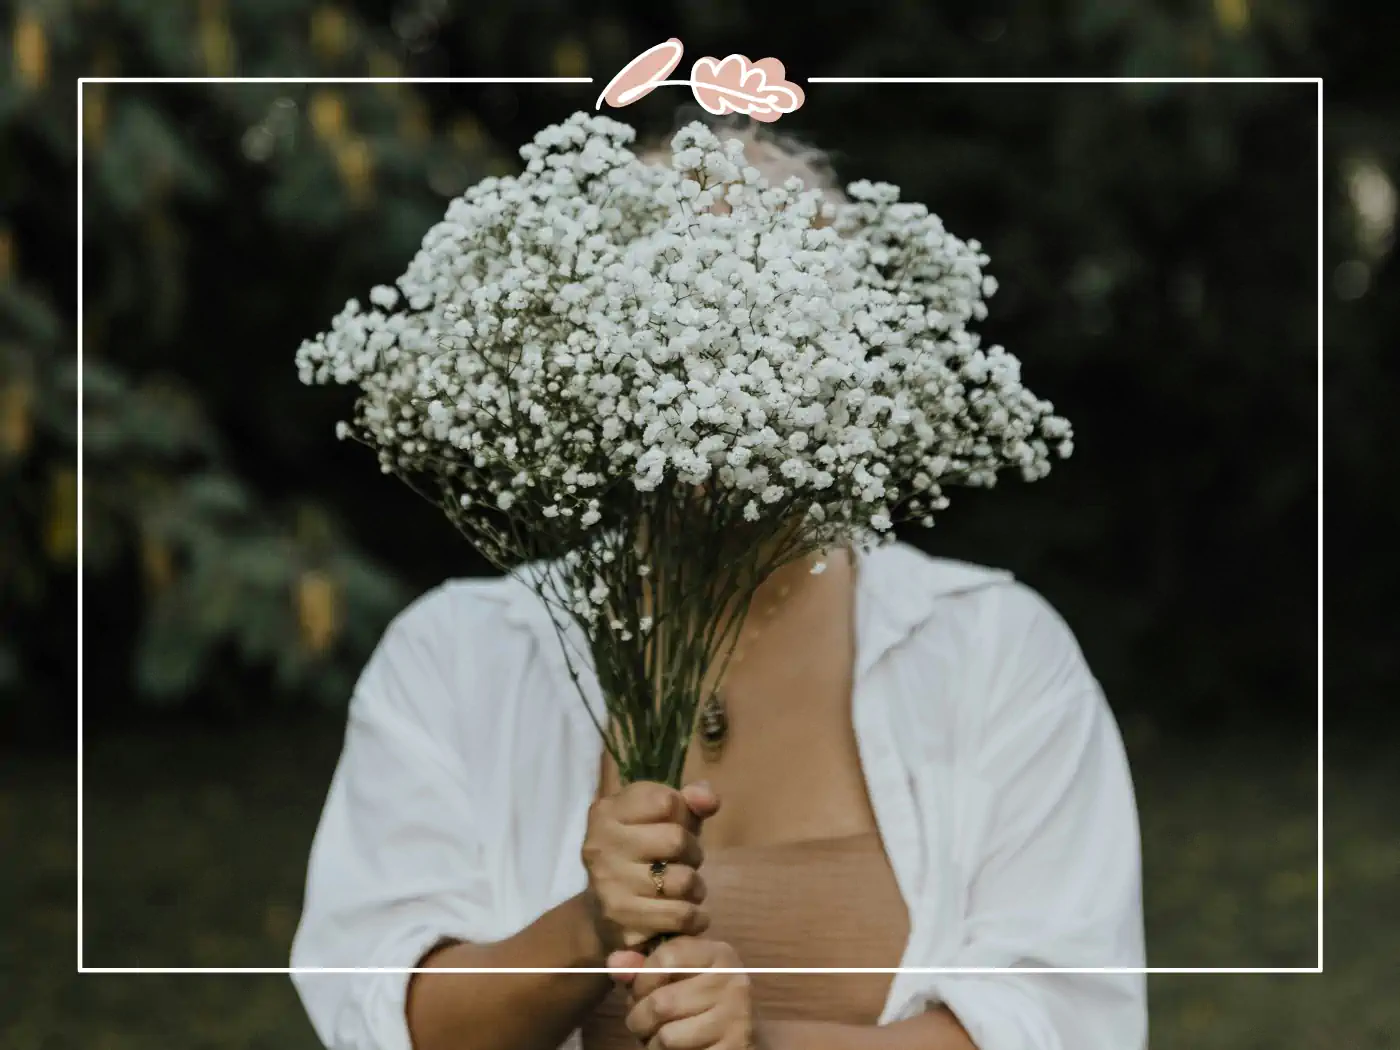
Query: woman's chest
789, 767
830, 903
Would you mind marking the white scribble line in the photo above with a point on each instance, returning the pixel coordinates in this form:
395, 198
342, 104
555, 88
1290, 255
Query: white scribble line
335, 80
966, 970
1317, 81
1064, 80
81, 516
1321, 866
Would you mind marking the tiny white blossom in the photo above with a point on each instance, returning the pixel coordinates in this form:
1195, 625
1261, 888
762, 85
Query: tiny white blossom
384, 296
570, 342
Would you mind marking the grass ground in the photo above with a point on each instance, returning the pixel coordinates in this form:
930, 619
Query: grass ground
195, 843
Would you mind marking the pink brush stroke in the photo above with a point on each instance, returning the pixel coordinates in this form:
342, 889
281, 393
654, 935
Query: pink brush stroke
731, 85
736, 85
642, 75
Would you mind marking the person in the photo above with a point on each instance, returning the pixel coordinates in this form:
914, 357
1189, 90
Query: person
914, 768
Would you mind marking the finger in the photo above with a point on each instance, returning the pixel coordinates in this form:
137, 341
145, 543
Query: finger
643, 918
677, 953
625, 965
646, 983
679, 882
701, 799
682, 998
646, 802
693, 952
691, 1033
672, 843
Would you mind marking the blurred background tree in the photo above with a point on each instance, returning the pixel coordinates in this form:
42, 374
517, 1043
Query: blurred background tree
208, 211
1155, 247
1157, 253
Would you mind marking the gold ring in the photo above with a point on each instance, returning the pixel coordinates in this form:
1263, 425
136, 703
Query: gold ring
658, 877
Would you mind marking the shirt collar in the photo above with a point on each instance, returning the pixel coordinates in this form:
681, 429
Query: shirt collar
899, 588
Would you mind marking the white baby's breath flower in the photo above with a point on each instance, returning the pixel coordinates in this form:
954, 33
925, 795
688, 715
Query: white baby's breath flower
591, 334
593, 341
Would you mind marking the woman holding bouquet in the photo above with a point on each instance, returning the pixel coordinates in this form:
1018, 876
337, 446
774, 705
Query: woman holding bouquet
901, 761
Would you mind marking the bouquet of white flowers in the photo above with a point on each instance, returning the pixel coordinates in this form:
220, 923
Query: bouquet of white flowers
650, 386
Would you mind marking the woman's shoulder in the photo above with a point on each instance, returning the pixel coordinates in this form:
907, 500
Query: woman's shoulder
464, 629
987, 611
458, 662
914, 576
905, 569
493, 605
1008, 661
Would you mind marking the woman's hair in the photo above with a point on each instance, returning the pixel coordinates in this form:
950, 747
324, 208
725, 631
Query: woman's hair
778, 153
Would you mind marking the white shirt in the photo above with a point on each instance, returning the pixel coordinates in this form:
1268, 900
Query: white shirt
995, 771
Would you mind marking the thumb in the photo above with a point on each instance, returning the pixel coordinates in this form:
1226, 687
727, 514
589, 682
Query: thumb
701, 799
624, 961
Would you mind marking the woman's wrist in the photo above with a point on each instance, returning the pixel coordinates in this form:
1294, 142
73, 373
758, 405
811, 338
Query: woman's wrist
534, 1012
587, 947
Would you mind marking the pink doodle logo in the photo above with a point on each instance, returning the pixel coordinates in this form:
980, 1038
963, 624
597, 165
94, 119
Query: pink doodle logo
730, 85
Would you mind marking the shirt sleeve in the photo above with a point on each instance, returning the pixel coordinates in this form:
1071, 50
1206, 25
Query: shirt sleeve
396, 864
1057, 876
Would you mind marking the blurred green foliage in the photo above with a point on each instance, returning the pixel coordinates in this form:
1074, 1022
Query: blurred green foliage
1157, 251
1155, 245
196, 569
1229, 844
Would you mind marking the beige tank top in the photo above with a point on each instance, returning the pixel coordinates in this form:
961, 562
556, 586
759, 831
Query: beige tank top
826, 902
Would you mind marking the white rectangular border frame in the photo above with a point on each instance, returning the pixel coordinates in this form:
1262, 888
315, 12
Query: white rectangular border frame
1316, 81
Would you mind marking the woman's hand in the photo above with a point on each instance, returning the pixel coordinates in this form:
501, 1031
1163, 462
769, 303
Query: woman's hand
629, 832
703, 1011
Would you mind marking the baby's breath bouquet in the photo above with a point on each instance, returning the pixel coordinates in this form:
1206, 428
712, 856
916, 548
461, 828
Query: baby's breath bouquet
646, 386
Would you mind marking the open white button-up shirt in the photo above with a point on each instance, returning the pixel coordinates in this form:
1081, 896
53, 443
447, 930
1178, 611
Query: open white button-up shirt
994, 767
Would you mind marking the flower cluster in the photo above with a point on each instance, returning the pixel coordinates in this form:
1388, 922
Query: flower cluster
599, 318
656, 383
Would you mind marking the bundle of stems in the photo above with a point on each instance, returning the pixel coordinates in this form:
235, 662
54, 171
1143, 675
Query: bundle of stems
680, 571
